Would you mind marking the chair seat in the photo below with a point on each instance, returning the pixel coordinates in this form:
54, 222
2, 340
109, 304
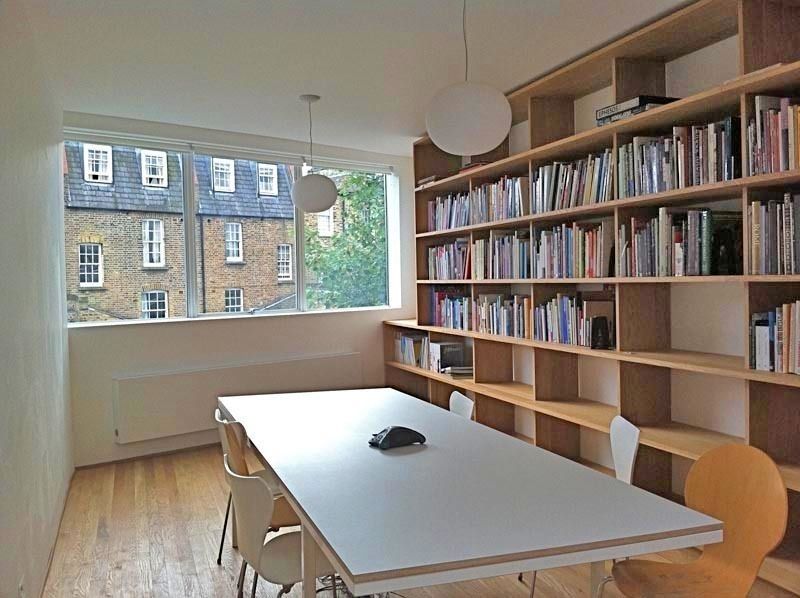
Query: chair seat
650, 579
281, 560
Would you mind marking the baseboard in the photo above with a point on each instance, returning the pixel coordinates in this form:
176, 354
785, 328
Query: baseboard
58, 533
148, 455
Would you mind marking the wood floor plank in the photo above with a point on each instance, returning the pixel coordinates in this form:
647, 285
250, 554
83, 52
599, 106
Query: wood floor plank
150, 528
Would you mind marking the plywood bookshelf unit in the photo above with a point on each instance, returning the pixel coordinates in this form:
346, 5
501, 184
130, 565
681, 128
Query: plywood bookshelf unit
769, 48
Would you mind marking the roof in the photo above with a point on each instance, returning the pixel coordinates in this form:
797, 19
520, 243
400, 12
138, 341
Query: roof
127, 193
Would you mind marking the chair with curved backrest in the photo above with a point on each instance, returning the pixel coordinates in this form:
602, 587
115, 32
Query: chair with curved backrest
624, 446
742, 487
461, 404
278, 559
223, 438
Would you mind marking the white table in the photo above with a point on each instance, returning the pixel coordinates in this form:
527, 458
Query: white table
472, 503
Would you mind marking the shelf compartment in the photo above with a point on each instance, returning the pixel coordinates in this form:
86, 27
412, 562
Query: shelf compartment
583, 412
684, 440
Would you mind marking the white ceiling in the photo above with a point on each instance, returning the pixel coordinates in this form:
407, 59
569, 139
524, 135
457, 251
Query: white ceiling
239, 65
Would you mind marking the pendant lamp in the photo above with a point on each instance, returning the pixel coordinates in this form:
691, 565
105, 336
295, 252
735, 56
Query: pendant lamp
468, 119
313, 193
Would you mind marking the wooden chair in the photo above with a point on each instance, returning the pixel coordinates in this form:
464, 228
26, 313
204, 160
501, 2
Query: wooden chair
461, 404
741, 486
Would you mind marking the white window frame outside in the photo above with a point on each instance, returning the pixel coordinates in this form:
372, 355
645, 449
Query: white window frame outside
325, 223
162, 179
233, 238
104, 175
284, 263
267, 172
145, 313
234, 300
81, 264
230, 168
149, 242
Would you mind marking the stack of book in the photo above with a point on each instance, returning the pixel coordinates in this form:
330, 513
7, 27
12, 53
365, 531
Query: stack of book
445, 355
568, 319
775, 339
774, 246
570, 184
628, 108
412, 348
507, 198
448, 211
449, 261
574, 251
451, 309
773, 135
674, 243
503, 315
505, 254
694, 155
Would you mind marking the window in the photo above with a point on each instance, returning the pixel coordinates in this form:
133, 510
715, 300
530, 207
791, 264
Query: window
224, 175
284, 261
154, 305
325, 223
154, 168
97, 163
90, 265
233, 300
267, 179
233, 242
153, 243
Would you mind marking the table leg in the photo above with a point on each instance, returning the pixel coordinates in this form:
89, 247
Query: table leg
309, 547
598, 573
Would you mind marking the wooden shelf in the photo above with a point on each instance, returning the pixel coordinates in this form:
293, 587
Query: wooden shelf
791, 476
684, 440
782, 566
617, 280
589, 414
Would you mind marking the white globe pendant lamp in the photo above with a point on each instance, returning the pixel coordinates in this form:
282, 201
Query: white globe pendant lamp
467, 119
313, 193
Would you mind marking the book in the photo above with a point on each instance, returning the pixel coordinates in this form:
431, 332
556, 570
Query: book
625, 114
771, 229
632, 103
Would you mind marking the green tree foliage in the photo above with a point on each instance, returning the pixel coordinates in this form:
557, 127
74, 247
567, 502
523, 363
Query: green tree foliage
349, 269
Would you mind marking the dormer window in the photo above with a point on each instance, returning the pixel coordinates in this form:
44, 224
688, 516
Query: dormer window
224, 176
154, 168
267, 179
97, 163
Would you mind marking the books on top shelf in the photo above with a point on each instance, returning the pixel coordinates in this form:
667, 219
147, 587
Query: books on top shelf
577, 250
775, 339
692, 155
504, 254
571, 184
774, 246
694, 242
449, 211
567, 319
626, 114
450, 261
451, 309
503, 315
773, 134
507, 198
411, 348
636, 103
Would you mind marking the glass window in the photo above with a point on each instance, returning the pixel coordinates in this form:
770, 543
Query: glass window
90, 265
154, 305
284, 261
97, 163
153, 243
233, 242
224, 175
349, 267
267, 179
154, 168
233, 300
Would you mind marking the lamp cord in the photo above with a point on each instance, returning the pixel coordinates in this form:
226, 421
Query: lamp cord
310, 136
464, 32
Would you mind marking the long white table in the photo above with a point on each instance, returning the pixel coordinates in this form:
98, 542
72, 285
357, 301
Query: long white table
472, 503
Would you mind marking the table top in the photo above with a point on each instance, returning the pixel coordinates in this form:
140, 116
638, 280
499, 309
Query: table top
470, 496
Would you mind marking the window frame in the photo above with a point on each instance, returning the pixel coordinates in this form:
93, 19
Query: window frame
284, 277
238, 259
231, 187
142, 310
240, 303
107, 177
161, 245
99, 264
148, 153
272, 191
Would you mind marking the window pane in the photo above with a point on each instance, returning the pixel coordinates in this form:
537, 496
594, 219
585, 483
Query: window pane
124, 239
239, 238
345, 253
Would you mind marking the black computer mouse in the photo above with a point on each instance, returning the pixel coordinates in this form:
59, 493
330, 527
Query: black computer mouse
395, 436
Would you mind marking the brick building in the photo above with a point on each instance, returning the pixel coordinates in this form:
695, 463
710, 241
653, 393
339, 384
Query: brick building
125, 239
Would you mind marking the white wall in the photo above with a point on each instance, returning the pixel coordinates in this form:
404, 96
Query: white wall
35, 452
101, 354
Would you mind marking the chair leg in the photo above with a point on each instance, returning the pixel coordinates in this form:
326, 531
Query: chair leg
240, 585
285, 590
601, 588
224, 527
255, 581
234, 532
533, 584
520, 579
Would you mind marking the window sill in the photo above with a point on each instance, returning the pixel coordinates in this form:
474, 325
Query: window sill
100, 288
235, 262
155, 268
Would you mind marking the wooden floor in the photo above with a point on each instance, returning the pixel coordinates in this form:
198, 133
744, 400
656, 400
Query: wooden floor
151, 527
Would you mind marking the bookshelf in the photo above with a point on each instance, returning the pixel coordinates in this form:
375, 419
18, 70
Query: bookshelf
642, 356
